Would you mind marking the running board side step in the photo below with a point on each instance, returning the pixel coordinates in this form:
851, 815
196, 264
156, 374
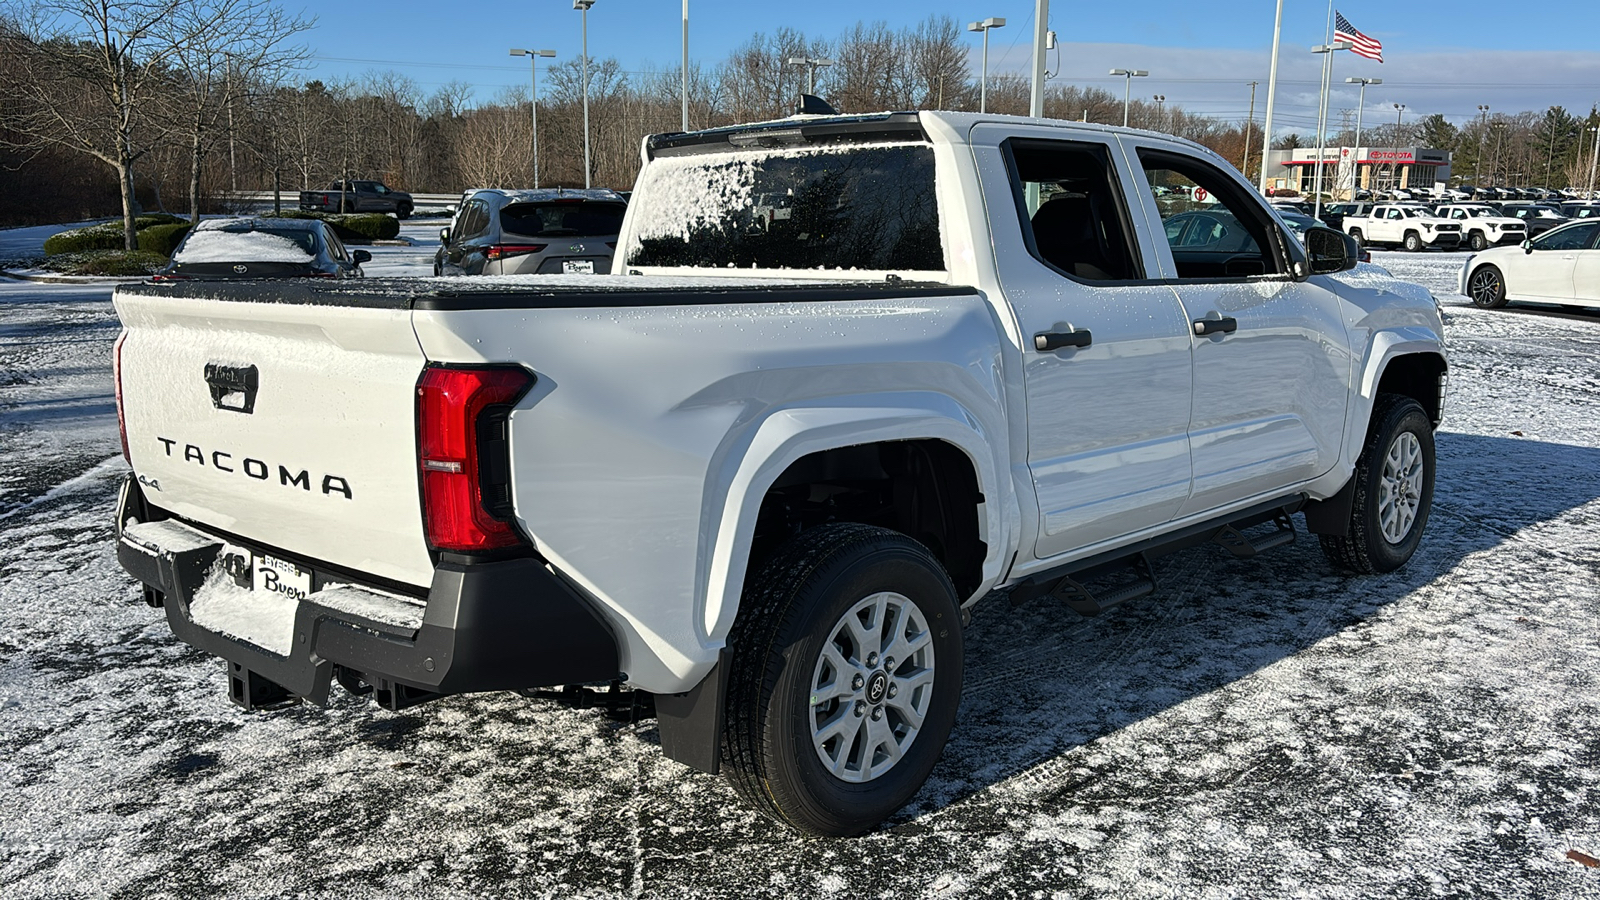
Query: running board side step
1242, 546
1077, 584
1086, 602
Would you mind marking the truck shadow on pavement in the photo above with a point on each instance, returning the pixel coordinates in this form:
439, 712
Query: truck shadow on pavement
1042, 682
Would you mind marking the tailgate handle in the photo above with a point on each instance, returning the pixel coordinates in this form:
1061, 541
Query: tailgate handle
233, 388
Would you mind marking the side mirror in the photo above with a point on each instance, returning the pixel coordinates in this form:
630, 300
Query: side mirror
444, 235
1527, 246
360, 256
1331, 251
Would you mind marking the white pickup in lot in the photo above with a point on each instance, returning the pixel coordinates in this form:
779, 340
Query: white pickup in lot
1412, 227
1483, 226
763, 471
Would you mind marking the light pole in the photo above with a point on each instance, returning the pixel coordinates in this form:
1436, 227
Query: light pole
1594, 160
685, 65
533, 83
1272, 96
1361, 105
1161, 122
1327, 51
983, 80
1127, 87
584, 6
1483, 131
811, 66
1394, 164
1249, 123
1499, 136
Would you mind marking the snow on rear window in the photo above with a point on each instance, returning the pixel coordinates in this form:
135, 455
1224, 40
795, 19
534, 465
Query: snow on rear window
247, 246
841, 207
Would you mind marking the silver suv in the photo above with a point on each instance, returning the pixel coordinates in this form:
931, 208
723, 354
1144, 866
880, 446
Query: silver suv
545, 232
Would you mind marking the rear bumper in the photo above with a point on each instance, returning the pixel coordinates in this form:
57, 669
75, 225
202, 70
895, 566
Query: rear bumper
484, 626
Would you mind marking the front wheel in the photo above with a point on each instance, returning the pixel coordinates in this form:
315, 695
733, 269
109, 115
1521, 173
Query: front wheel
1478, 242
1393, 490
402, 212
844, 678
1361, 240
1413, 242
1487, 288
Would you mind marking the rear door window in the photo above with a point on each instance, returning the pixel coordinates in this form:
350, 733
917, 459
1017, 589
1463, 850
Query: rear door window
870, 207
563, 218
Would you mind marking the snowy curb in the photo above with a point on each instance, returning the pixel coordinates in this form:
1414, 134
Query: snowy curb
42, 278
396, 242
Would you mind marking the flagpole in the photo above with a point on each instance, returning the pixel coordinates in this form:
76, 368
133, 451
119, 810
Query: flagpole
1272, 93
1322, 111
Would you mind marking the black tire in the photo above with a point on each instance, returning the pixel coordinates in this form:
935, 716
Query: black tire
1413, 242
1487, 288
788, 614
1365, 549
1478, 242
1361, 240
403, 212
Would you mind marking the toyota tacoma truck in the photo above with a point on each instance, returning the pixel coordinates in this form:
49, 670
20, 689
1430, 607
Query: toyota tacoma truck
1412, 227
358, 196
760, 474
1483, 225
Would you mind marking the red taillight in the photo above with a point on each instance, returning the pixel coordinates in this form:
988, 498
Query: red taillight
116, 377
452, 429
502, 251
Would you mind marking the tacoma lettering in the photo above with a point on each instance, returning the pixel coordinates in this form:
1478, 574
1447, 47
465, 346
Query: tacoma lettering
256, 468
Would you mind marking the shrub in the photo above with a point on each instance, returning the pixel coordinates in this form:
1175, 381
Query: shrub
352, 228
163, 239
106, 235
107, 262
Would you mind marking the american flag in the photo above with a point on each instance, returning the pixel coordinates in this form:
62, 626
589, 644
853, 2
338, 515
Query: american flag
1371, 48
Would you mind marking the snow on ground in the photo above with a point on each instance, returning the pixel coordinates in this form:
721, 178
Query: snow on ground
1262, 728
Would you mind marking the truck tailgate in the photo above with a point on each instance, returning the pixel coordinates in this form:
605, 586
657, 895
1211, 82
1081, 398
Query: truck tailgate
287, 424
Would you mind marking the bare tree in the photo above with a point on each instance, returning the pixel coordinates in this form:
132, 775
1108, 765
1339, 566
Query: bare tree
94, 65
221, 47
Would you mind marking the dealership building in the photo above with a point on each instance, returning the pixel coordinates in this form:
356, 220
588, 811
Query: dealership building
1345, 169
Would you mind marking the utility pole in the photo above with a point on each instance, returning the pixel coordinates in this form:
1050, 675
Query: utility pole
685, 65
1249, 123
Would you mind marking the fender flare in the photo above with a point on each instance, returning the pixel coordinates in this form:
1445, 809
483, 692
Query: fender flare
1385, 347
790, 433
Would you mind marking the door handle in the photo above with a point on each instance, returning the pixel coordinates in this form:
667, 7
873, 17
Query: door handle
1224, 325
1045, 341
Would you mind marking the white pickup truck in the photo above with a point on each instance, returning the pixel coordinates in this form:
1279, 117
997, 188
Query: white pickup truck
761, 473
1412, 227
1483, 226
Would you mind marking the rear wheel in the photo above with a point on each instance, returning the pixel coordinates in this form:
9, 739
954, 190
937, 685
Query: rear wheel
844, 678
1413, 241
1393, 490
1487, 288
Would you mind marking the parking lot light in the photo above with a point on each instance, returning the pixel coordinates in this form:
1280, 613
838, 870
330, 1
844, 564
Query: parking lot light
533, 61
983, 79
1355, 167
1127, 88
584, 5
811, 66
1327, 51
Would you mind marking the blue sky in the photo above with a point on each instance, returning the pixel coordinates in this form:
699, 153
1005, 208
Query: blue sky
1439, 58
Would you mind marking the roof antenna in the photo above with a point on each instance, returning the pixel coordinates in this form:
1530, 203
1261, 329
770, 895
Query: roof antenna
811, 105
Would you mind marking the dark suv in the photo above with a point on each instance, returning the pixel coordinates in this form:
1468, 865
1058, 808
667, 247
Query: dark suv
545, 232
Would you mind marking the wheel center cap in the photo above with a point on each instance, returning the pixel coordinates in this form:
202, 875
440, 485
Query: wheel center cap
877, 686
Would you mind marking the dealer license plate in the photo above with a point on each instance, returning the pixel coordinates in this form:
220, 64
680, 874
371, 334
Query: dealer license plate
577, 267
278, 576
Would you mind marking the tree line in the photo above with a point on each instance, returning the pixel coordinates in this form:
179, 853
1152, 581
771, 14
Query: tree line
177, 103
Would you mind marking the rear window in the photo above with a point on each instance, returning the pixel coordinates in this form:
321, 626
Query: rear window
854, 207
587, 218
218, 245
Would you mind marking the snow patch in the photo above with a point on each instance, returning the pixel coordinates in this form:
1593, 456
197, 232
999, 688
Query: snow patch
374, 606
241, 246
166, 537
262, 618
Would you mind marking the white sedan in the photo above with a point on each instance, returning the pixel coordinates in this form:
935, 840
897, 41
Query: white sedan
1560, 266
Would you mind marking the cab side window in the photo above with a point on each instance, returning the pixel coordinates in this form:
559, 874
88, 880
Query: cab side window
1071, 206
1215, 230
